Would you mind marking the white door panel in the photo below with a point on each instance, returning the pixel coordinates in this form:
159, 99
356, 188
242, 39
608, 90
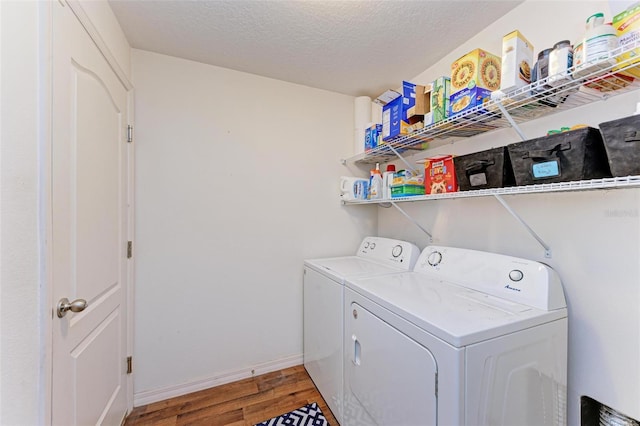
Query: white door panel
96, 152
97, 353
89, 228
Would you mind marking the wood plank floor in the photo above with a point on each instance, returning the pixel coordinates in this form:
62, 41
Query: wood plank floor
242, 403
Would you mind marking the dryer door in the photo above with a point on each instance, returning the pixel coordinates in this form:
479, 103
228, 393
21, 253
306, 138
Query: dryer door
390, 378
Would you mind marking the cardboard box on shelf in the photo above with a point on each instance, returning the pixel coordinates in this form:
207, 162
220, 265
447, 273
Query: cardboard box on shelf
386, 97
420, 106
408, 97
407, 177
439, 175
517, 62
398, 115
392, 118
627, 26
466, 99
410, 128
440, 89
473, 77
422, 103
406, 190
372, 136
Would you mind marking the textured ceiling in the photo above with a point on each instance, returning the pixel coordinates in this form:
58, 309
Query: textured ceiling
351, 47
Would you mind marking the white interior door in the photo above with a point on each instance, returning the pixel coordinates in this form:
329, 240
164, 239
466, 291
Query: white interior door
89, 228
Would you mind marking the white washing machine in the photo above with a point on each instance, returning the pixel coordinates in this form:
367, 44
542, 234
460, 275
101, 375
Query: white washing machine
466, 338
323, 307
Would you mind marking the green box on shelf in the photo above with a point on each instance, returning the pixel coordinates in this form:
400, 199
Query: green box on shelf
440, 89
406, 190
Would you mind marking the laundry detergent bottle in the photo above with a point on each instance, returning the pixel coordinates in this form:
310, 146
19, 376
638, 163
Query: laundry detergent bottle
375, 184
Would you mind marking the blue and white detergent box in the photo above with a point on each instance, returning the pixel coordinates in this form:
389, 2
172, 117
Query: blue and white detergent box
392, 118
372, 136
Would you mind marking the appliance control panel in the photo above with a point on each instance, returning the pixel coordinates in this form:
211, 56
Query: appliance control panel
519, 280
398, 253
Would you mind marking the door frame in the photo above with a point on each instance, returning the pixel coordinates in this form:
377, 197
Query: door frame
45, 140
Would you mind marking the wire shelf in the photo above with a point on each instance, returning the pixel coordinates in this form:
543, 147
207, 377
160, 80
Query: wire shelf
581, 185
595, 81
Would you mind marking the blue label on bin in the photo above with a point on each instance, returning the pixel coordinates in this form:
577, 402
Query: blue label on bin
546, 169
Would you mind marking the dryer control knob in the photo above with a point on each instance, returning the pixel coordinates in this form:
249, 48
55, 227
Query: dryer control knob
396, 250
434, 258
516, 275
355, 314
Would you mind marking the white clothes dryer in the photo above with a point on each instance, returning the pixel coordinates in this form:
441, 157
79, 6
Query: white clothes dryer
323, 307
466, 338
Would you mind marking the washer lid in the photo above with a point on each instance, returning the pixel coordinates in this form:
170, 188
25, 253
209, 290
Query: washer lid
455, 314
376, 255
338, 268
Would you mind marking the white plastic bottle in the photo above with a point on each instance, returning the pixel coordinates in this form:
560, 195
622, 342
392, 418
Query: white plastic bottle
599, 40
375, 184
387, 181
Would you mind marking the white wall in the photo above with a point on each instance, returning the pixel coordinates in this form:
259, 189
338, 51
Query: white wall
594, 236
236, 184
20, 331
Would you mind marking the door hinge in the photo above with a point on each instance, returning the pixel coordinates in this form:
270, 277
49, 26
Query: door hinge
129, 365
129, 249
129, 133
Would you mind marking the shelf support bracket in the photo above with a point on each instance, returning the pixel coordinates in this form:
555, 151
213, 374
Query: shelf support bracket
510, 120
412, 220
406, 163
547, 249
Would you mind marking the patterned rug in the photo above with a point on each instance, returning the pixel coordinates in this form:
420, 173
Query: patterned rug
309, 415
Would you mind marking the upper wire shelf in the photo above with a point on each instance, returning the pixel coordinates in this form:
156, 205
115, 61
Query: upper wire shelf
597, 81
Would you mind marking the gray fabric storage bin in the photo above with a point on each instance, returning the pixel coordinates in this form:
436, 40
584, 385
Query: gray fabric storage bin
622, 143
485, 169
568, 156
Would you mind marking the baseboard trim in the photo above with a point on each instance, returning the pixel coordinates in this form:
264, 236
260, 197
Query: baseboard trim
155, 395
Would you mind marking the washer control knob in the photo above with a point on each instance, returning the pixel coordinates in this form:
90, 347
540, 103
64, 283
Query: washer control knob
516, 275
434, 258
366, 244
396, 250
372, 246
355, 314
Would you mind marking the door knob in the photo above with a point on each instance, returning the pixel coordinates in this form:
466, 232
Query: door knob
64, 305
